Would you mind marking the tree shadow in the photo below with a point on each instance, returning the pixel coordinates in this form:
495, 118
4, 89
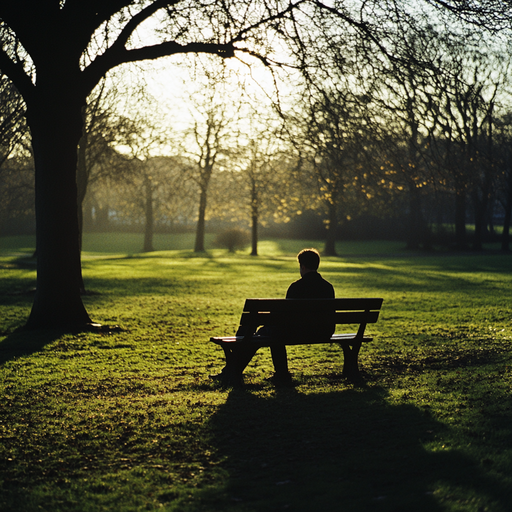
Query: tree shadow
348, 449
24, 342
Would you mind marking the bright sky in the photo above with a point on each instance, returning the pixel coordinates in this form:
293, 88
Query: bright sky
171, 82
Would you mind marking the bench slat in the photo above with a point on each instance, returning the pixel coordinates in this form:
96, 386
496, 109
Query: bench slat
309, 317
266, 341
285, 305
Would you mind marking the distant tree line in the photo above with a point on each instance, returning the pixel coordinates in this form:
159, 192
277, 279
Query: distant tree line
411, 143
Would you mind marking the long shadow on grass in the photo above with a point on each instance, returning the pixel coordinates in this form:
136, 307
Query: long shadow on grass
25, 342
344, 450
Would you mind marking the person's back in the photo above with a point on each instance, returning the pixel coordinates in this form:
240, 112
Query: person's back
311, 285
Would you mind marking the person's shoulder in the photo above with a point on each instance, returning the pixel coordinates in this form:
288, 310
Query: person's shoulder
322, 278
329, 288
294, 287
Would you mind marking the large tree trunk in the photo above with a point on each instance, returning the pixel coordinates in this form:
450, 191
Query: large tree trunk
81, 182
199, 245
55, 124
82, 179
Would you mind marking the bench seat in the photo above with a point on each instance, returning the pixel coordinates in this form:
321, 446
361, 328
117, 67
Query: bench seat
266, 341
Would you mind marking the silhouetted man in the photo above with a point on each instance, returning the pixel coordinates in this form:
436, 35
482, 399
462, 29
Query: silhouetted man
311, 285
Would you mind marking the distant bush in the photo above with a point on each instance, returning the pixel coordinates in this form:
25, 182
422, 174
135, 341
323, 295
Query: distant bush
232, 239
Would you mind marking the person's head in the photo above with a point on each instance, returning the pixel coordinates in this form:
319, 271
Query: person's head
309, 260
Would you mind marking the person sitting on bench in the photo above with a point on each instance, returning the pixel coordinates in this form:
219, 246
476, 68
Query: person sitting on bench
311, 285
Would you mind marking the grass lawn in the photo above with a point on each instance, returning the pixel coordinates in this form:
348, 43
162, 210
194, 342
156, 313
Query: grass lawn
129, 421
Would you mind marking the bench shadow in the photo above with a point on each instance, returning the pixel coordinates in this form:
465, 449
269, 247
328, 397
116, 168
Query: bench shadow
349, 449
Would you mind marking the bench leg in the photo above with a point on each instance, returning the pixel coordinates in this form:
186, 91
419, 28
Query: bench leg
350, 361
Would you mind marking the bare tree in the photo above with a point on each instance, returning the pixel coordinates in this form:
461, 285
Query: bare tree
405, 89
69, 47
105, 128
142, 171
335, 138
464, 107
258, 174
259, 167
210, 138
16, 165
503, 158
55, 53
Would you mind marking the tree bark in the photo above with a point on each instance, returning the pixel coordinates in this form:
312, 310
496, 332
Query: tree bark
330, 241
148, 229
460, 218
254, 217
254, 235
81, 182
200, 230
55, 122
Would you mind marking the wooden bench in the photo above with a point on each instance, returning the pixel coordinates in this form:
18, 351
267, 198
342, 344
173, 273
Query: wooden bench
302, 314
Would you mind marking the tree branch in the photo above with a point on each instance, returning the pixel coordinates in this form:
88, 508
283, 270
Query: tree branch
18, 76
136, 20
120, 55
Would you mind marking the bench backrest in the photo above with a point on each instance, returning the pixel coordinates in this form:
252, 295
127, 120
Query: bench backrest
304, 312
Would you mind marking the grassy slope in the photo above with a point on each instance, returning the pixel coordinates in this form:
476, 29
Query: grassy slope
130, 421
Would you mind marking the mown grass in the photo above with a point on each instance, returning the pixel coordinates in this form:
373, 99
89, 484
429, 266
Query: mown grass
129, 421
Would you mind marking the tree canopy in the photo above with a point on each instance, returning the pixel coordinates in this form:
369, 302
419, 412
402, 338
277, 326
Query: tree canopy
56, 51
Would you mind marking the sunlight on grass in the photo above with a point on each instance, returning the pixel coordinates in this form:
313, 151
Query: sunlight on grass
95, 244
130, 421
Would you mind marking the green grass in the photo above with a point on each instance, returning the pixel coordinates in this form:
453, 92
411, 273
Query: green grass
124, 243
129, 421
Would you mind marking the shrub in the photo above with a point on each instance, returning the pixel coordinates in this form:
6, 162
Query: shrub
232, 239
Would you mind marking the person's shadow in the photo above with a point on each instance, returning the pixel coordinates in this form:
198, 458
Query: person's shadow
345, 450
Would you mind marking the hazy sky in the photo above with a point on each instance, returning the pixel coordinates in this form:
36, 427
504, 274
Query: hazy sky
171, 81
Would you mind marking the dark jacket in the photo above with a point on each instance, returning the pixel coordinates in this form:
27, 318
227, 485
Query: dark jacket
311, 286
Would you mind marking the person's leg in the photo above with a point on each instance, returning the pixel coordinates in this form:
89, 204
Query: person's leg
279, 358
242, 355
238, 357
